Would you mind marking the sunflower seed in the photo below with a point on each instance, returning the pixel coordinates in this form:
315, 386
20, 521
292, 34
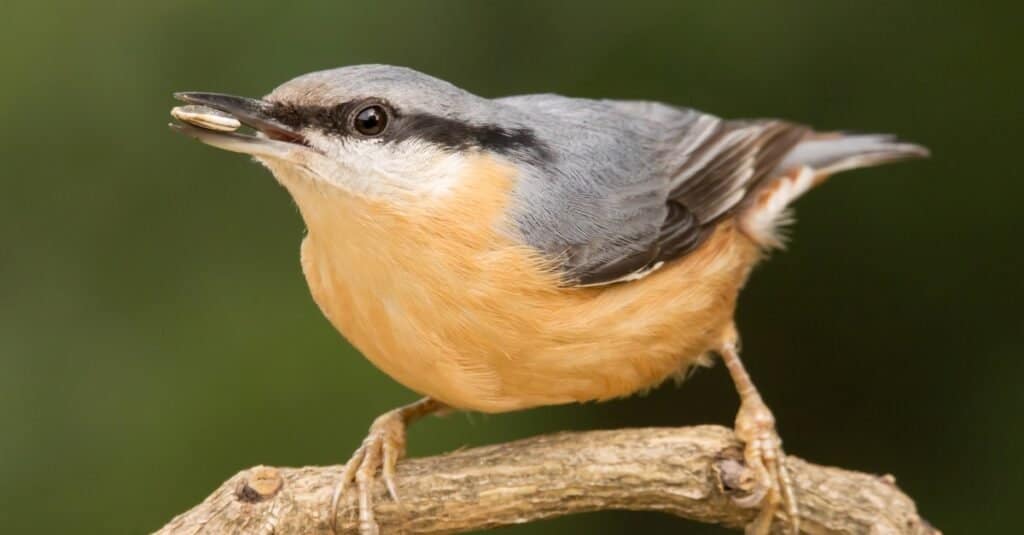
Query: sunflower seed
207, 118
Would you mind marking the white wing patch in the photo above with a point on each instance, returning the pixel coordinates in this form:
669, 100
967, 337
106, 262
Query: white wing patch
764, 218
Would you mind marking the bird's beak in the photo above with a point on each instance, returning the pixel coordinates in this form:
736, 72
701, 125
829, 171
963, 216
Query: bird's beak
273, 140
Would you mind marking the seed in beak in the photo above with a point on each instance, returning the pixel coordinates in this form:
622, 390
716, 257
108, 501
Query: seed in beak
205, 117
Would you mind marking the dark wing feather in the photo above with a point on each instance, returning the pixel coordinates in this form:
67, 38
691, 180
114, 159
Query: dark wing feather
732, 162
709, 169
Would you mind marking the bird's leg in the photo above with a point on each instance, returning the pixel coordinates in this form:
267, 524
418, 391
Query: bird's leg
755, 426
380, 450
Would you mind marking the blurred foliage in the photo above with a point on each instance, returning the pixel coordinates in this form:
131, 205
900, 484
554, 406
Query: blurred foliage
156, 334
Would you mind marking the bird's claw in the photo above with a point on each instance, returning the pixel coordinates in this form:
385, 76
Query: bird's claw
383, 446
772, 486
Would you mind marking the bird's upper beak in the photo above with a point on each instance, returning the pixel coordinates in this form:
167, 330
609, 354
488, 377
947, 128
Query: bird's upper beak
273, 140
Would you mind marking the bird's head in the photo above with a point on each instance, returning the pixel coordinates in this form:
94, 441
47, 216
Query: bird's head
373, 130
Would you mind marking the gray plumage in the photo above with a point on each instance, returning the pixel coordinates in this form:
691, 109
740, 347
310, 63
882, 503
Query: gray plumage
608, 188
637, 183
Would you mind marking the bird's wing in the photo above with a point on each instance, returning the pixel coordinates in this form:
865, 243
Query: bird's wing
710, 166
637, 184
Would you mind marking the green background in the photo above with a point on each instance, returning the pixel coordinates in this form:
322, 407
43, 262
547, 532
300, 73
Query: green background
156, 334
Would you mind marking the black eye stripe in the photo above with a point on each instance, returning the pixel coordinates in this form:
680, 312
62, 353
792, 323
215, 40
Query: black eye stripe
458, 135
448, 133
298, 117
330, 119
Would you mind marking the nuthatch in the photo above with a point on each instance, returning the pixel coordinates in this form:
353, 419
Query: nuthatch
501, 254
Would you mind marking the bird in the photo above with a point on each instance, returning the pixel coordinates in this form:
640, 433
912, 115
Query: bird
500, 254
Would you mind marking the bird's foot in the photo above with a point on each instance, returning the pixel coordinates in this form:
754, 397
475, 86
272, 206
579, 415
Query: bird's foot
380, 450
755, 426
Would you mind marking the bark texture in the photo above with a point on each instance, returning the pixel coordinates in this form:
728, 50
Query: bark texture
692, 472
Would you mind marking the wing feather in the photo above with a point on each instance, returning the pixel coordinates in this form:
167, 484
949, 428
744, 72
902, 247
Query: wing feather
725, 161
637, 184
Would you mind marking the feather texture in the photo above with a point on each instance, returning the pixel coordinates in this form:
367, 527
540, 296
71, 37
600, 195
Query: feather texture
638, 184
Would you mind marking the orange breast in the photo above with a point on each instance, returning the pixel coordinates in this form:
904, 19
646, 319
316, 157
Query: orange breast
443, 298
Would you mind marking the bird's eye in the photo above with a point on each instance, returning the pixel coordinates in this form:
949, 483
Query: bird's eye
371, 120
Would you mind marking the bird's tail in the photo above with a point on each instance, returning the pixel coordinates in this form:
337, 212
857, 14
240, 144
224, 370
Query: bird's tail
832, 153
809, 163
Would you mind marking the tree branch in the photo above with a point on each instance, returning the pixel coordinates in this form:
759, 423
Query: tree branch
688, 472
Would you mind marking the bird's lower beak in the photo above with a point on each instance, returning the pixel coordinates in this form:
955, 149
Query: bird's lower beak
273, 140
